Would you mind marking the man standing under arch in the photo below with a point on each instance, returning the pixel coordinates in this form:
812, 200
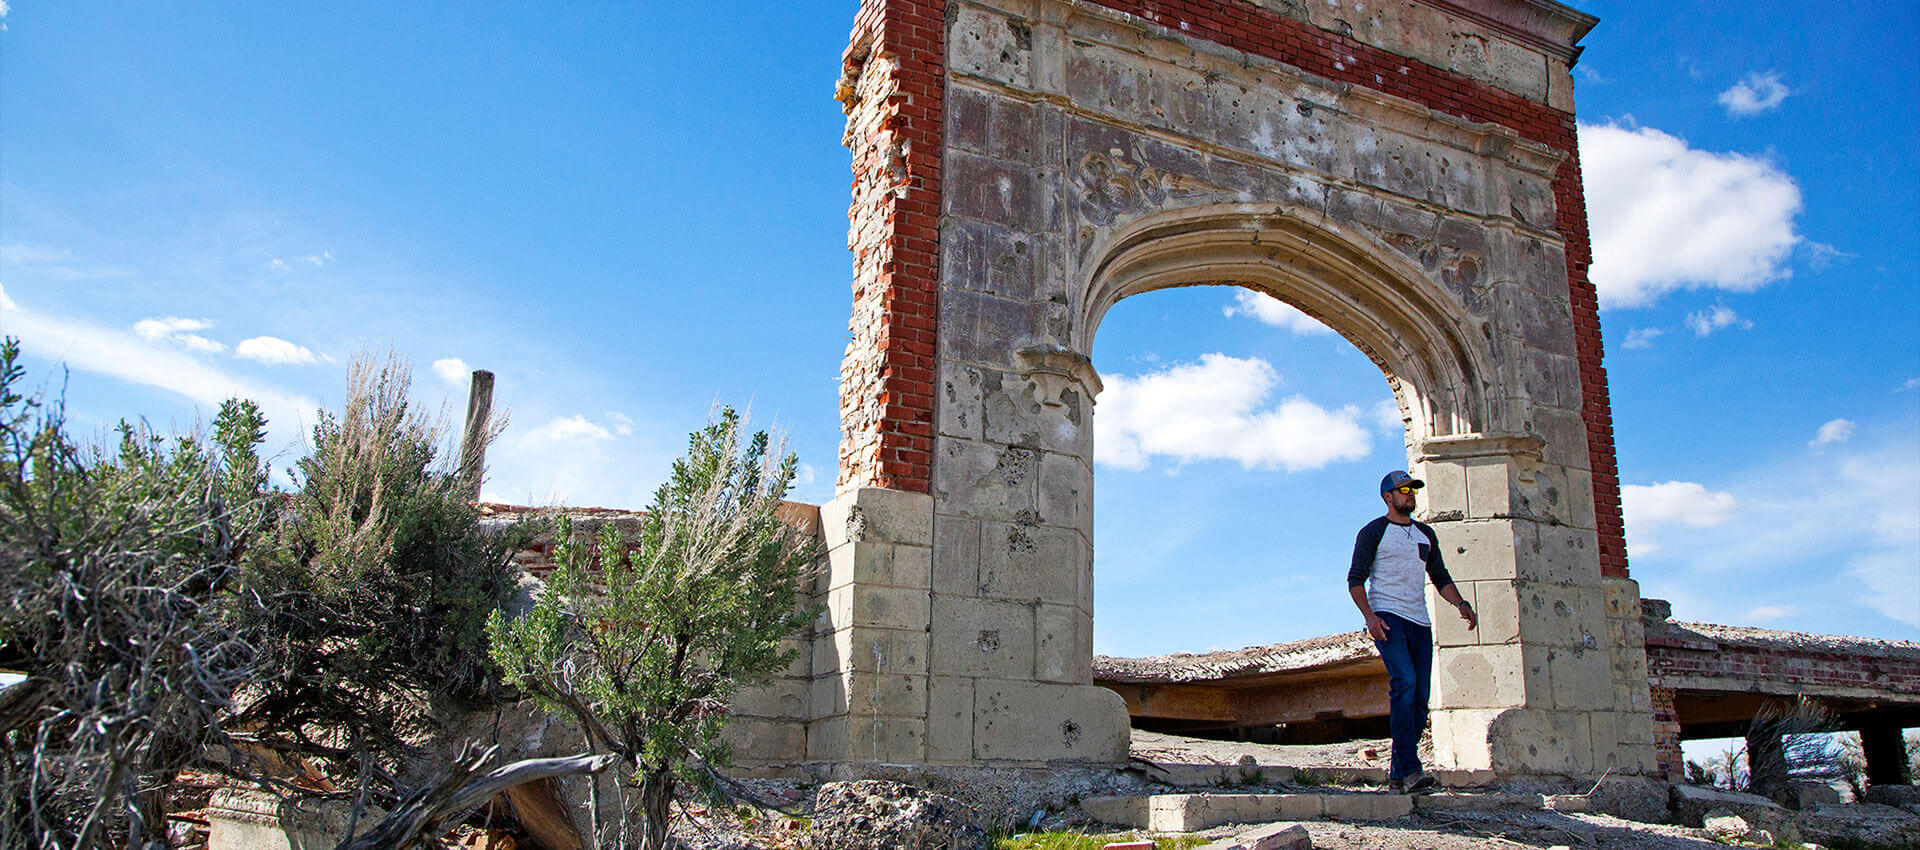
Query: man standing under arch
1393, 556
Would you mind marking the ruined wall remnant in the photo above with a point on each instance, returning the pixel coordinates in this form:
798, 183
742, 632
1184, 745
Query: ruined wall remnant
1402, 170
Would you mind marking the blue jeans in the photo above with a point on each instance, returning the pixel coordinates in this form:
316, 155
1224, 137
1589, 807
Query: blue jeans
1408, 653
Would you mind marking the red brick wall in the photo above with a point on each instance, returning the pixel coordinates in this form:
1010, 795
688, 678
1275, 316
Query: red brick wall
1667, 754
894, 87
1782, 670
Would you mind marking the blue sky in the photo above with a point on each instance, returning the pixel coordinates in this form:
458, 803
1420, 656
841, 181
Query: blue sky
633, 211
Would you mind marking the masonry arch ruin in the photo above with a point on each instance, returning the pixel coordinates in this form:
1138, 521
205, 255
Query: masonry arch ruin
1405, 171
1414, 331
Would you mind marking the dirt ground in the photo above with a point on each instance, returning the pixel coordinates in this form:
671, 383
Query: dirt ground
1011, 801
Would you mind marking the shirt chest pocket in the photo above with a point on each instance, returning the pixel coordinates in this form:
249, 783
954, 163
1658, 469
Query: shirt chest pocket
1423, 548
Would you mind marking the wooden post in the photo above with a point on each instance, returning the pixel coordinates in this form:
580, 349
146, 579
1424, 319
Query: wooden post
473, 440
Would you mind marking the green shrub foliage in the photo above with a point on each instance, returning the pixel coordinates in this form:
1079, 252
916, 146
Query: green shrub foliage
643, 640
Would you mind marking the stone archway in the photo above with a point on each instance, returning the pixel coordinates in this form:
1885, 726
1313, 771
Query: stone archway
1020, 166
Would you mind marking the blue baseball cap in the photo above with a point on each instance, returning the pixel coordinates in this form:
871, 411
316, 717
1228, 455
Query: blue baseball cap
1398, 479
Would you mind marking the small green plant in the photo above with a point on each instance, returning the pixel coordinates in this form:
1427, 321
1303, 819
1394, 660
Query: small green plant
646, 654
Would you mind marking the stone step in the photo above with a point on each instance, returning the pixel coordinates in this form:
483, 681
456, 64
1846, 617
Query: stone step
1192, 812
1188, 775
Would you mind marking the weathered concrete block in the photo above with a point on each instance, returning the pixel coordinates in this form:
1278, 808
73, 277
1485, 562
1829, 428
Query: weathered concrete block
1194, 812
780, 698
960, 409
1580, 679
1063, 644
991, 191
949, 719
871, 650
760, 740
1117, 810
1448, 628
956, 556
1480, 677
1498, 604
1035, 562
873, 514
1538, 741
1016, 415
1567, 555
1477, 550
1460, 737
1449, 802
1489, 495
986, 481
987, 44
886, 739
982, 637
1066, 492
250, 820
1366, 806
1031, 721
884, 607
871, 694
982, 329
879, 564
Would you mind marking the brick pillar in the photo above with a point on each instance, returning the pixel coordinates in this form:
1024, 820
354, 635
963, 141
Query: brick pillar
1666, 735
892, 89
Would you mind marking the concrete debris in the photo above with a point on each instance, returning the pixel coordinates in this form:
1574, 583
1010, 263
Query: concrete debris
1279, 836
1725, 825
874, 814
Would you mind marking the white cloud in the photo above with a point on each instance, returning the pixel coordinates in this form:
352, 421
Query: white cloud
167, 326
1647, 507
196, 342
567, 429
1755, 94
273, 350
1386, 414
1912, 383
314, 260
1213, 410
453, 370
1272, 311
175, 330
1720, 316
138, 359
622, 423
1642, 337
1834, 431
1667, 217
1763, 613
1802, 515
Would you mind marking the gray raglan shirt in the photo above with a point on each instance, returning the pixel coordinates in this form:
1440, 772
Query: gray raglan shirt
1397, 558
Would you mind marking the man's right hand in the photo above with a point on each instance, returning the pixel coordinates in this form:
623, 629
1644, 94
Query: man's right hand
1376, 627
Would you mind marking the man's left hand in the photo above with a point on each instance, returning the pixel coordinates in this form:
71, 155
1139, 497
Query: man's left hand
1466, 613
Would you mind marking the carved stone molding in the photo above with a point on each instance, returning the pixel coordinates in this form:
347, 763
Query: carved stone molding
1465, 446
1053, 369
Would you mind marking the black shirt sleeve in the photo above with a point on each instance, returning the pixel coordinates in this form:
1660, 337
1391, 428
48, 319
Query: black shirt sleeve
1436, 565
1365, 546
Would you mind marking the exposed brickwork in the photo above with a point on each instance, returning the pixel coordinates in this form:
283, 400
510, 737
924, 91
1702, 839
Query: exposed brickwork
1246, 27
893, 90
1781, 670
1666, 736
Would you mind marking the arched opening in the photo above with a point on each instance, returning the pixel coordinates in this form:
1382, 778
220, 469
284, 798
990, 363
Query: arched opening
1208, 525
